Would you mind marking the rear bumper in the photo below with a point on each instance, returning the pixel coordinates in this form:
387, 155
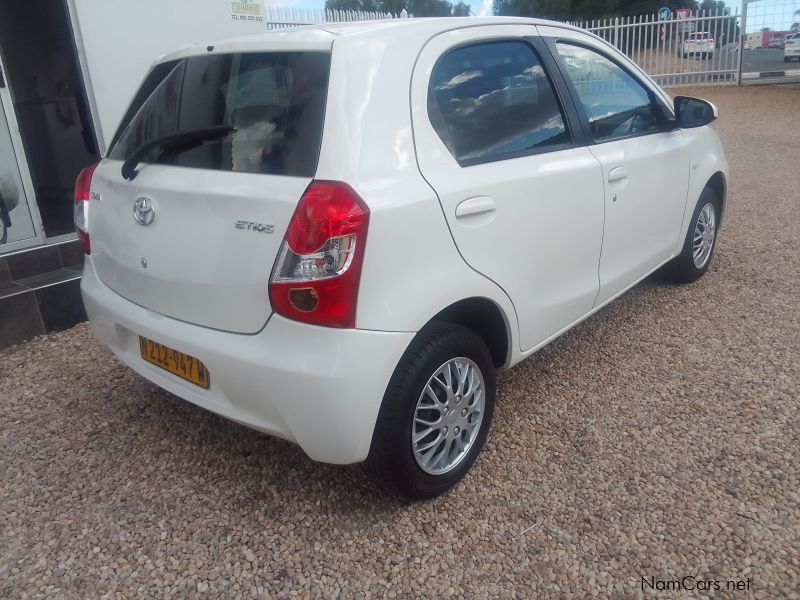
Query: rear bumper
316, 386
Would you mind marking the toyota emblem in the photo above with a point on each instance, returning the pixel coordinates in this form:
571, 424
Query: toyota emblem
143, 211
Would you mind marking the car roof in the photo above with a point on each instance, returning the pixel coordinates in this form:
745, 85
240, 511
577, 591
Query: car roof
431, 25
320, 36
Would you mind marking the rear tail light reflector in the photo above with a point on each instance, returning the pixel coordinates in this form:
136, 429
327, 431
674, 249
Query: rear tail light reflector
81, 206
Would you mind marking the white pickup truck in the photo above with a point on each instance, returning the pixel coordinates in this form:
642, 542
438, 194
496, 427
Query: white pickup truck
696, 43
791, 47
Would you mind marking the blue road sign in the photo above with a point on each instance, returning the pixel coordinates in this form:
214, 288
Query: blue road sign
664, 14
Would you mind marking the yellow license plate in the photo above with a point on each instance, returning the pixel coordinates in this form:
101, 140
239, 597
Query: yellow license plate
180, 364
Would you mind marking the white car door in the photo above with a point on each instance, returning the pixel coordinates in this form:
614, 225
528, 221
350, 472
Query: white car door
522, 193
645, 159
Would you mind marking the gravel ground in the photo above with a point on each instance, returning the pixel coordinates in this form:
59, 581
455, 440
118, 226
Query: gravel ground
660, 439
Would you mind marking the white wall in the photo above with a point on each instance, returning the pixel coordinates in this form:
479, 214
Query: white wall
756, 40
118, 40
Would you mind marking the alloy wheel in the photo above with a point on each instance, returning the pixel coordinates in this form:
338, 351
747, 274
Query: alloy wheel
705, 230
448, 416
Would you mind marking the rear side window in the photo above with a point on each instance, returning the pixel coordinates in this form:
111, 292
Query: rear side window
274, 102
492, 101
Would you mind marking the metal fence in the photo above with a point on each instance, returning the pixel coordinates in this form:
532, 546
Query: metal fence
679, 48
748, 47
284, 17
766, 25
675, 47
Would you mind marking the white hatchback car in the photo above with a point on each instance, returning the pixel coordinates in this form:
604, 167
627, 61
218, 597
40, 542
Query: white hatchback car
336, 234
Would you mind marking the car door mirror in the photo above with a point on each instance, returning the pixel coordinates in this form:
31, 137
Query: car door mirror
693, 112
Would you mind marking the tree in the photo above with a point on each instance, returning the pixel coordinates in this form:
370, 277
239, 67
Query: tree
351, 5
713, 6
576, 10
418, 8
461, 10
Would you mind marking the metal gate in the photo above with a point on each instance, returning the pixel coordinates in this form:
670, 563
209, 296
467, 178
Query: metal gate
717, 47
771, 41
678, 48
674, 47
285, 17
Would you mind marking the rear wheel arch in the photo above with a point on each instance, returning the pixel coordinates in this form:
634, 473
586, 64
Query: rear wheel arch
486, 319
718, 184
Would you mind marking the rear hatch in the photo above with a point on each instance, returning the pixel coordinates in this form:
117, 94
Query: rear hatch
195, 232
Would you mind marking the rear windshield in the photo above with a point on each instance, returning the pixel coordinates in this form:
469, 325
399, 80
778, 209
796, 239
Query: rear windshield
274, 102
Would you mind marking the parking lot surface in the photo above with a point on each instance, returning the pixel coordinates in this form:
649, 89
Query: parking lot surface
723, 66
766, 59
657, 441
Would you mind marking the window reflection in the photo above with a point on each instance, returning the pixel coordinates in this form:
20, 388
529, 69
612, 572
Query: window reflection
494, 100
274, 102
615, 103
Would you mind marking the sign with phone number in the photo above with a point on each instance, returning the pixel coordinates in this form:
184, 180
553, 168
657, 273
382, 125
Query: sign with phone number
247, 10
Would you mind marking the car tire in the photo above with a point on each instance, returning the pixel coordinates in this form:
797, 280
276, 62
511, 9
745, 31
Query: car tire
698, 246
410, 467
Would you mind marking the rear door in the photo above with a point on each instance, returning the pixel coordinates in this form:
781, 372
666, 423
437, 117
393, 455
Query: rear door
523, 199
195, 233
645, 160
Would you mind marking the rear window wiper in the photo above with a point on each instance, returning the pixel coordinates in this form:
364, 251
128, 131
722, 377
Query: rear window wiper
182, 140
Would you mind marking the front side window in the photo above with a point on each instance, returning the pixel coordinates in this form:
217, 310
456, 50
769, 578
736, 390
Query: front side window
492, 101
615, 104
272, 102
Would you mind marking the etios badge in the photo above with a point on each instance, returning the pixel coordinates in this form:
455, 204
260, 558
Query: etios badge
143, 211
253, 226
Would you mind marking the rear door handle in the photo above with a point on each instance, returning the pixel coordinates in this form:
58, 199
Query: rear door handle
475, 206
617, 174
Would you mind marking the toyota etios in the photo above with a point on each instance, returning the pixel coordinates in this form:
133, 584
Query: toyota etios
336, 234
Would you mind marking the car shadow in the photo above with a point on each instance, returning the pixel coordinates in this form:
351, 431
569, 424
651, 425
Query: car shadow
220, 461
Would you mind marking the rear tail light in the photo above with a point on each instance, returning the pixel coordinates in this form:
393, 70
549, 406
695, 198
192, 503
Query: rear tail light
81, 207
316, 275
